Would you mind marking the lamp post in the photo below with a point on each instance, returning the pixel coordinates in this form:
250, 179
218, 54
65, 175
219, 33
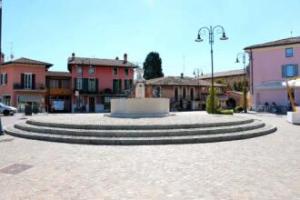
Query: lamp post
211, 32
243, 56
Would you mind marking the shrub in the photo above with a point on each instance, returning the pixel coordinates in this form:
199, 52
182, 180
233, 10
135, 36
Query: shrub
209, 104
225, 112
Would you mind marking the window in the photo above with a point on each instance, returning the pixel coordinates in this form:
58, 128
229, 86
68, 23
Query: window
126, 85
117, 86
289, 52
54, 83
79, 84
156, 92
91, 70
184, 93
126, 72
65, 84
3, 79
192, 93
176, 94
27, 81
92, 85
289, 70
115, 71
79, 70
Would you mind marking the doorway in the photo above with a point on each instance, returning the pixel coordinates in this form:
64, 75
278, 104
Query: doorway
91, 104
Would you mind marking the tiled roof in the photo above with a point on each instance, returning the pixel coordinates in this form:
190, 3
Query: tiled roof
27, 61
99, 62
286, 41
224, 74
177, 80
57, 73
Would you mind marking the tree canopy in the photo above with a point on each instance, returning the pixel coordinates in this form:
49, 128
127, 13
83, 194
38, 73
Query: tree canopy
152, 66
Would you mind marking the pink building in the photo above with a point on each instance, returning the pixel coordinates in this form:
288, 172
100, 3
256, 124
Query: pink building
272, 63
95, 81
23, 81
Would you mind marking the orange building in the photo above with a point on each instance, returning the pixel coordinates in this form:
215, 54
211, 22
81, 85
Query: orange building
95, 81
185, 93
23, 81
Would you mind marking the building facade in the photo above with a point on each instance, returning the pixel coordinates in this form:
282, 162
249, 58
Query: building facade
59, 92
185, 93
95, 81
271, 64
233, 79
22, 81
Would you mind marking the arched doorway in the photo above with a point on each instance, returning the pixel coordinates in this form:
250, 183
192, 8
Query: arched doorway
231, 103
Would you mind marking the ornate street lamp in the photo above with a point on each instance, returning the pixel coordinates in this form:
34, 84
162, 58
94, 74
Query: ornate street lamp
211, 32
244, 57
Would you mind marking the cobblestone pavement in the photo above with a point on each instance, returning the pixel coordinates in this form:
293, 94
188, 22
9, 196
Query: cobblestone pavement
266, 167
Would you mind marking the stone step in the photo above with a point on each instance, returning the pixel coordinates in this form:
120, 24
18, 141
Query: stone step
140, 133
138, 127
142, 140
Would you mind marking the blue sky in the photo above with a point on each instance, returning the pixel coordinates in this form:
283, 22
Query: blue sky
51, 30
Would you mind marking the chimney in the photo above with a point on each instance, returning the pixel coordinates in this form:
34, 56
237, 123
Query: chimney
117, 58
125, 57
181, 75
2, 59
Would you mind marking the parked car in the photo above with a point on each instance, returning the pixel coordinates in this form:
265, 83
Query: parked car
7, 110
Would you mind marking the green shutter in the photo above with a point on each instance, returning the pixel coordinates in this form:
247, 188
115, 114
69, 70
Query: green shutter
85, 85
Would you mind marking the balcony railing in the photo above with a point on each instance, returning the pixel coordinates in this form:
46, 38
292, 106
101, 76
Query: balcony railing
19, 86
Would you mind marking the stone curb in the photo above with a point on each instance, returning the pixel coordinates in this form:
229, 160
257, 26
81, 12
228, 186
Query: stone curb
141, 133
142, 140
137, 127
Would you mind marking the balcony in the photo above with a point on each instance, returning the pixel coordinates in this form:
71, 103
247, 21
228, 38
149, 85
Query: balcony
37, 87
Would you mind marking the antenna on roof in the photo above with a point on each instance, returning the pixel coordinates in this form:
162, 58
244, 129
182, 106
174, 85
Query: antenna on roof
291, 33
183, 63
11, 51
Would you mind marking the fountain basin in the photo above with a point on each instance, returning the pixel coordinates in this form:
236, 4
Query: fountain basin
140, 107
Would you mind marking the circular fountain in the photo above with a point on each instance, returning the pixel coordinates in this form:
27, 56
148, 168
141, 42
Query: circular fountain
140, 106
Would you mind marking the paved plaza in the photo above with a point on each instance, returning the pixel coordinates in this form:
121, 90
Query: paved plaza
266, 167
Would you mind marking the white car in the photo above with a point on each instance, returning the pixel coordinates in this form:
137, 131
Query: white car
7, 110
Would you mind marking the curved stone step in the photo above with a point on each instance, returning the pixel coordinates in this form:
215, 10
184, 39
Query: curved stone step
141, 133
137, 127
142, 140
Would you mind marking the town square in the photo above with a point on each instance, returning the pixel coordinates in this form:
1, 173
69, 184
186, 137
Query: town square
149, 100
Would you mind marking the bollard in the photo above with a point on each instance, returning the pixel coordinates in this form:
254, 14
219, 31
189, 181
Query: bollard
1, 130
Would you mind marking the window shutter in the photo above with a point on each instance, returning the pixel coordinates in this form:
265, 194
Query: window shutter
120, 85
22, 81
85, 84
6, 78
0, 79
97, 86
33, 82
75, 84
296, 70
283, 71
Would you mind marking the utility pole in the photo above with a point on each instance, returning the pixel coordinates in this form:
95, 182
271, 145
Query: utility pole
1, 130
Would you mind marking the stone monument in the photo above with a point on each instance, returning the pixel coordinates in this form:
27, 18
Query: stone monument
140, 84
140, 106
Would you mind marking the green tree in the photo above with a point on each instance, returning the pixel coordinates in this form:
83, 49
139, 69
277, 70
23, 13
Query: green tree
210, 108
152, 66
